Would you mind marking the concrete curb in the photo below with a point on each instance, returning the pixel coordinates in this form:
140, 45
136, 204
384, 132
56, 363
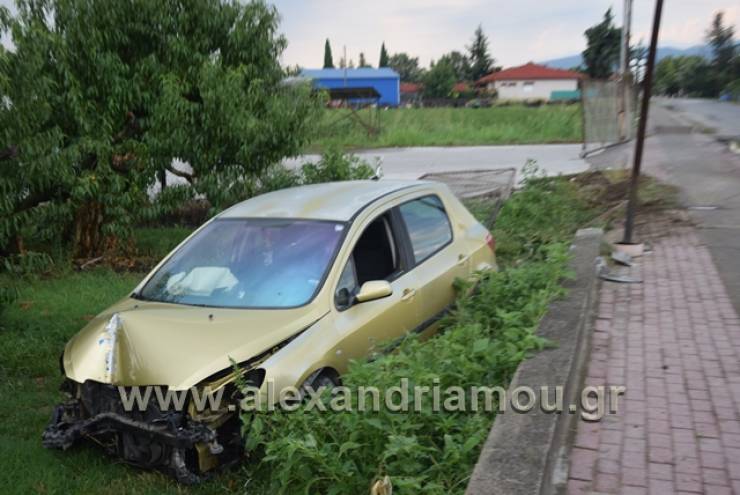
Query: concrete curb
527, 453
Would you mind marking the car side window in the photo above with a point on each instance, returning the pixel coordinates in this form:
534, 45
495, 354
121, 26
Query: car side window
428, 226
347, 285
375, 256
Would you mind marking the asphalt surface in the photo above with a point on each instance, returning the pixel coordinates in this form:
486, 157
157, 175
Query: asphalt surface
704, 168
713, 117
412, 163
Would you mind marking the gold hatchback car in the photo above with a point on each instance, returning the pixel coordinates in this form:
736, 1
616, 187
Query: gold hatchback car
286, 287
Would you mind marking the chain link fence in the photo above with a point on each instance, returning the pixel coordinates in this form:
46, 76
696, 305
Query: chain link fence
604, 121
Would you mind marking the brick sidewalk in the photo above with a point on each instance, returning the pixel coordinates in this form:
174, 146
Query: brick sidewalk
674, 342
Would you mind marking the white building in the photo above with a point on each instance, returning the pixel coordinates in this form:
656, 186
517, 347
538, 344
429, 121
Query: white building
533, 82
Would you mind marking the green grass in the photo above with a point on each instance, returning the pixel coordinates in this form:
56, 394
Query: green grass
156, 242
512, 124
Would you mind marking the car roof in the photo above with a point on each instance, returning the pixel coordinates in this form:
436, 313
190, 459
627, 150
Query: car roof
339, 201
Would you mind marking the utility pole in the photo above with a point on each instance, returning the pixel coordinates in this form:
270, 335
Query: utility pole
344, 55
624, 70
645, 105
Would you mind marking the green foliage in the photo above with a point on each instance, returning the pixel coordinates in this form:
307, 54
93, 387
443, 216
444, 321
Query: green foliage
721, 39
27, 263
361, 63
684, 75
484, 339
439, 80
383, 60
100, 96
522, 229
8, 293
696, 76
601, 55
335, 166
17, 267
407, 67
460, 64
328, 59
733, 89
481, 62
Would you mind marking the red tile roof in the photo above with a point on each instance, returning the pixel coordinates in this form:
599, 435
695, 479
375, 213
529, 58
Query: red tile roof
529, 71
408, 87
460, 87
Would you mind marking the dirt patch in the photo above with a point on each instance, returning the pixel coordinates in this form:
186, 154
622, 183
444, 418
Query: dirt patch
606, 191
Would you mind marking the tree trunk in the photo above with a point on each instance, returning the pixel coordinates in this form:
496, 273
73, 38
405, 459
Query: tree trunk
88, 237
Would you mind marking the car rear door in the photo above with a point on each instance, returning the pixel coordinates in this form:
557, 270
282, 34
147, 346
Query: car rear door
438, 257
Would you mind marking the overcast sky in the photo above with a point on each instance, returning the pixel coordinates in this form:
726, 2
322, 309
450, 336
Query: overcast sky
518, 30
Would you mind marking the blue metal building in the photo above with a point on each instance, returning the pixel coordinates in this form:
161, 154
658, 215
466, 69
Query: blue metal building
385, 81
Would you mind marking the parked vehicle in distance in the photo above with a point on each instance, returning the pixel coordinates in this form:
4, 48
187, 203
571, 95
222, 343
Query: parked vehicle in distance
286, 287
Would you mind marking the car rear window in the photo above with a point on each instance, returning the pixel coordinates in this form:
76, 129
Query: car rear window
427, 224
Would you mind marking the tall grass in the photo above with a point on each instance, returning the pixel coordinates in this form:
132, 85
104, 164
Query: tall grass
512, 124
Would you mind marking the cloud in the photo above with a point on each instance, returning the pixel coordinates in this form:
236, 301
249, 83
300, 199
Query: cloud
518, 31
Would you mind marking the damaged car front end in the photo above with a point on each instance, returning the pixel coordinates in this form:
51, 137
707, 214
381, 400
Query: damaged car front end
169, 440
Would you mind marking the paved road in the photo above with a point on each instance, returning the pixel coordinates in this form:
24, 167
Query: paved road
720, 117
705, 170
411, 163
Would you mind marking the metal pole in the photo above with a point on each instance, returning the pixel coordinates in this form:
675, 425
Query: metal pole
645, 105
624, 55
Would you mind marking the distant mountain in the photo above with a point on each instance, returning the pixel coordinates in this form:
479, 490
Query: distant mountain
663, 51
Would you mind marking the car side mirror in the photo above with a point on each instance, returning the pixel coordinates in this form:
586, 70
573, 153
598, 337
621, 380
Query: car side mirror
372, 290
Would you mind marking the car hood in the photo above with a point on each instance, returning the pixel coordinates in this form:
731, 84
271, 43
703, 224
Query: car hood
148, 343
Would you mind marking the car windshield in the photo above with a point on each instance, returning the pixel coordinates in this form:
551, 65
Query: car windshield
248, 263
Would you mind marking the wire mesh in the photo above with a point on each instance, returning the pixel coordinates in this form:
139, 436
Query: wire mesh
602, 114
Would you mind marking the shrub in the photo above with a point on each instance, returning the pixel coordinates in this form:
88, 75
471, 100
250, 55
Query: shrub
335, 166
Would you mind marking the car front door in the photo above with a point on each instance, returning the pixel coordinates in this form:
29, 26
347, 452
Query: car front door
377, 254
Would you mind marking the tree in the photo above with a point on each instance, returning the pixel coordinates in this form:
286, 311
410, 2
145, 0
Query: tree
480, 60
460, 64
383, 62
406, 66
684, 75
721, 39
328, 59
362, 62
345, 64
601, 55
439, 80
99, 97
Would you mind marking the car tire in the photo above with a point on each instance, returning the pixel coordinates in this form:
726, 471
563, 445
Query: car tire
321, 378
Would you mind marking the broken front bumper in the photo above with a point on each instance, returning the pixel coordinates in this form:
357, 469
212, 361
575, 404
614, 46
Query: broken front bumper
164, 440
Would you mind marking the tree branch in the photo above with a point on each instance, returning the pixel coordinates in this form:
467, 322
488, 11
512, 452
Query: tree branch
185, 175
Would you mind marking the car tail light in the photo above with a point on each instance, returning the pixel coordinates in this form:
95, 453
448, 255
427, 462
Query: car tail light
491, 241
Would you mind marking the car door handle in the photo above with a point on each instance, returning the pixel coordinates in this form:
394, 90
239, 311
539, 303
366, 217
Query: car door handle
408, 294
462, 259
